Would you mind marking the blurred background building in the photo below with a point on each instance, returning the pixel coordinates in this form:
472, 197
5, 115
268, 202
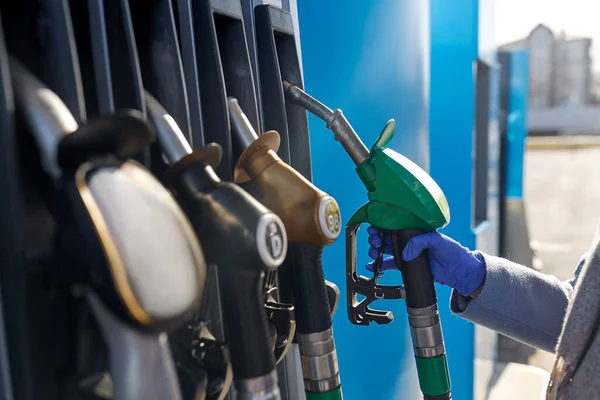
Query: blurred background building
560, 69
564, 92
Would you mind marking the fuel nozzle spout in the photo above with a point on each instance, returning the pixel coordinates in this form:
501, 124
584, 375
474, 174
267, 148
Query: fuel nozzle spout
313, 105
172, 142
335, 120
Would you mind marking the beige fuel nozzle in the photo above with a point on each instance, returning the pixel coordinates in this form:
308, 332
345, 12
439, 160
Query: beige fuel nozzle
309, 214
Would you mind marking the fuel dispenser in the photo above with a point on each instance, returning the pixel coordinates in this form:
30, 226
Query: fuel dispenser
214, 32
135, 298
190, 96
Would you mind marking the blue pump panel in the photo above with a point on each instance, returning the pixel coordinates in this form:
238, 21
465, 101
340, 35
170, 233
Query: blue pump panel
372, 60
453, 65
488, 233
515, 236
464, 153
516, 121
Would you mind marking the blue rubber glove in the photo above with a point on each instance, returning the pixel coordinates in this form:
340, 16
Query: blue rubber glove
451, 264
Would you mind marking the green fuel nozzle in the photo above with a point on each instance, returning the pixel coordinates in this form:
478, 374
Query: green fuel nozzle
403, 201
416, 198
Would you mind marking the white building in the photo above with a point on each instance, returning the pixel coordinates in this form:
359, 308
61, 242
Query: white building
560, 68
573, 72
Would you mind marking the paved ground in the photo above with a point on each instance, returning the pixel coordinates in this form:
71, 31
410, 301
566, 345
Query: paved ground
562, 194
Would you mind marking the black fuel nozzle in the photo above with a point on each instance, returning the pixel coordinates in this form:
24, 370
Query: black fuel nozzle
108, 209
241, 236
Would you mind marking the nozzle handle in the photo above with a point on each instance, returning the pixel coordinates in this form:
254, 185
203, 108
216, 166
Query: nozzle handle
416, 274
240, 125
423, 318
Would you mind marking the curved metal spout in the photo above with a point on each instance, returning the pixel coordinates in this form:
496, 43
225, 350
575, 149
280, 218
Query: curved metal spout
172, 141
342, 130
240, 125
47, 117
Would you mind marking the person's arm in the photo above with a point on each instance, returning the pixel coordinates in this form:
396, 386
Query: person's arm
494, 292
518, 302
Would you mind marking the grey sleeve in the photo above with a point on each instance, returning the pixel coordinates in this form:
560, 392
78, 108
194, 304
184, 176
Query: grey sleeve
518, 302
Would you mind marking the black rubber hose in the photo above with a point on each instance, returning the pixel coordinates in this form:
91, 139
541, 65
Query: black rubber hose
311, 303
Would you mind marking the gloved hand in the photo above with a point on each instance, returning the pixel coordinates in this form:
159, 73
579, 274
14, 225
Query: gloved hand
451, 264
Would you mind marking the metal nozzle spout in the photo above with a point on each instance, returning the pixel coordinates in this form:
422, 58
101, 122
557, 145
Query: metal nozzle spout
313, 105
240, 125
174, 145
342, 130
47, 116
